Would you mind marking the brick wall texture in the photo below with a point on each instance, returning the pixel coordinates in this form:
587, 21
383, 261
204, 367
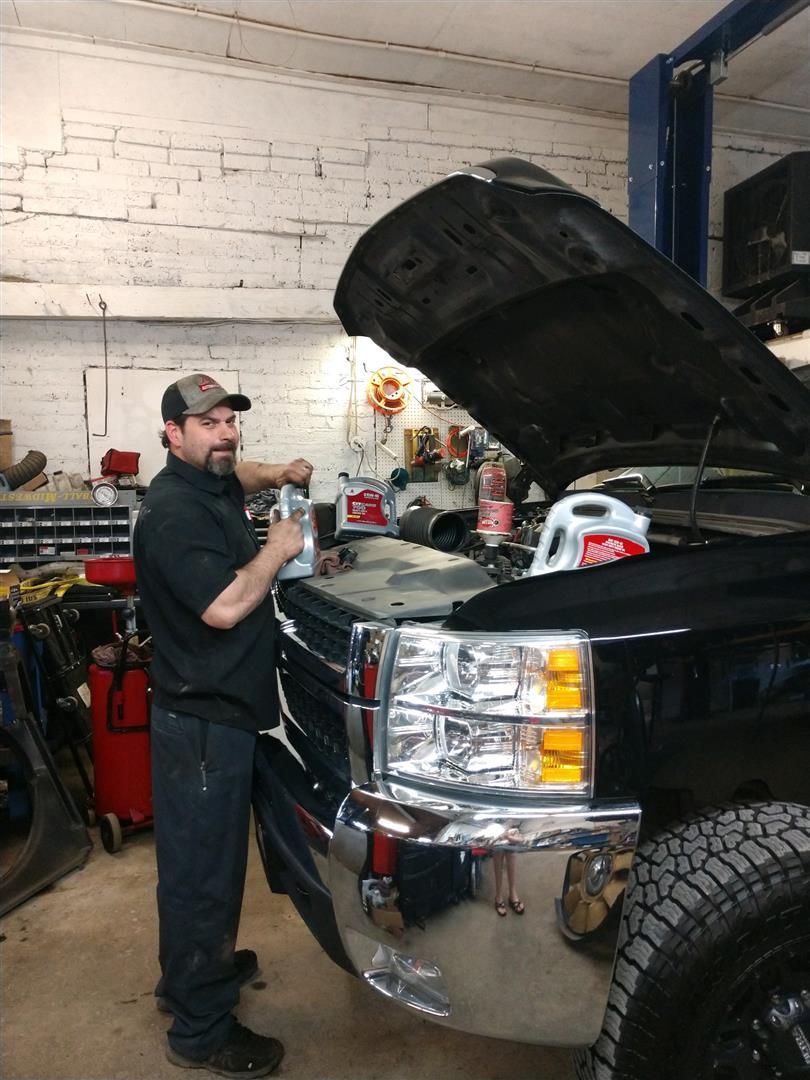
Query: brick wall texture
129, 200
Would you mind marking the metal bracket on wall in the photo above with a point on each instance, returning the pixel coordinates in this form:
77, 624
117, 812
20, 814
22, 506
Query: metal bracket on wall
670, 129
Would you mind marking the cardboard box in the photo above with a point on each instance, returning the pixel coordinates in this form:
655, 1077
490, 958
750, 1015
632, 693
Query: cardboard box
38, 481
9, 582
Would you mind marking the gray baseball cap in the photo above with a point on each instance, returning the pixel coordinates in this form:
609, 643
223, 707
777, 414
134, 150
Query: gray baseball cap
195, 394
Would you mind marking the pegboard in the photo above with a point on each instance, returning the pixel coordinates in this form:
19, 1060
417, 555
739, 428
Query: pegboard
416, 415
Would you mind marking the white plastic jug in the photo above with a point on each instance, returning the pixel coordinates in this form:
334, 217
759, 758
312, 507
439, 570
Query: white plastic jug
589, 529
290, 499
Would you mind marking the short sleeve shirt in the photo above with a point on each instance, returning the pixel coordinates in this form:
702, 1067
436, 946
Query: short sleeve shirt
191, 536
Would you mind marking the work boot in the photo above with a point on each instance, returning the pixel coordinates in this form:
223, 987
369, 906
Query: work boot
245, 1054
247, 968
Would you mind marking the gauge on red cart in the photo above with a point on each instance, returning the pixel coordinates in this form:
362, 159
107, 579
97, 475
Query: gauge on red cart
104, 493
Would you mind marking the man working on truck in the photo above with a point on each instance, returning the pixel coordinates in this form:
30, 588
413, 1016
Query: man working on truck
204, 583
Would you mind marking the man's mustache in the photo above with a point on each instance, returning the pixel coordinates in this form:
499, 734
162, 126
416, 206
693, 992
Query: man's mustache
225, 446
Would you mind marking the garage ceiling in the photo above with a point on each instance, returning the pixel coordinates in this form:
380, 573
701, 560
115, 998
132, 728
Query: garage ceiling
574, 53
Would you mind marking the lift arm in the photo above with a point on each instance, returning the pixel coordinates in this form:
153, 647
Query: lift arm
670, 129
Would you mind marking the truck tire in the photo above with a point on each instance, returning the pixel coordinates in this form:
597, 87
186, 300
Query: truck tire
712, 977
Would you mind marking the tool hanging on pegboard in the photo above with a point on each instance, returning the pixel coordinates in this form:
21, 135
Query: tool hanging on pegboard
428, 450
458, 447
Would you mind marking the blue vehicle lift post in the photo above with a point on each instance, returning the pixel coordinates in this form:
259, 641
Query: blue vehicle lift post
670, 129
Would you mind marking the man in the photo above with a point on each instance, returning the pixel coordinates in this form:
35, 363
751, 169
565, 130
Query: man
204, 584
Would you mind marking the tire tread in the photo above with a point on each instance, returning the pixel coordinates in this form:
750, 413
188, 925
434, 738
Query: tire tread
693, 886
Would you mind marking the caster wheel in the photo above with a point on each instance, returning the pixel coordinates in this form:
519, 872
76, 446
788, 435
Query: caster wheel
111, 836
89, 816
39, 630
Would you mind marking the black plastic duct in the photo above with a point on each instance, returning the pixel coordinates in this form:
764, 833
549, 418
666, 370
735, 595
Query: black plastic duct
432, 527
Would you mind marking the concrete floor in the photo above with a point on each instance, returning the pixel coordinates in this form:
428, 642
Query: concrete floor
79, 967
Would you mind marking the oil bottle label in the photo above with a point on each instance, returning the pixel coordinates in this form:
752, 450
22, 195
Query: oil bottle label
604, 547
365, 508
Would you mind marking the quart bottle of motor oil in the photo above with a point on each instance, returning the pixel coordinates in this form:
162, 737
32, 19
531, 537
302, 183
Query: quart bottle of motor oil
365, 507
586, 529
305, 563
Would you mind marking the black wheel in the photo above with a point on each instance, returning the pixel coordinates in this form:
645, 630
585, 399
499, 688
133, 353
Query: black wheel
89, 816
111, 836
712, 978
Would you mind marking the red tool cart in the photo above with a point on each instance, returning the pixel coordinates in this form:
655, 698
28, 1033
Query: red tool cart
119, 710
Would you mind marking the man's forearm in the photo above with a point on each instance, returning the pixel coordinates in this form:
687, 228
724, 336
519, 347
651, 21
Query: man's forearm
255, 476
252, 584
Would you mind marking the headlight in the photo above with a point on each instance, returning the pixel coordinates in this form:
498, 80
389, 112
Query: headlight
510, 711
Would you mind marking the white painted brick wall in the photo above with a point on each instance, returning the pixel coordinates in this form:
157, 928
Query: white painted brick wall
298, 377
144, 193
134, 198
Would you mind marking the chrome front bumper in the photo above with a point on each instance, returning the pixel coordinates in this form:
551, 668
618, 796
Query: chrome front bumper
540, 977
431, 938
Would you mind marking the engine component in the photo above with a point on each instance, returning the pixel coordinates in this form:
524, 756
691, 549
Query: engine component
433, 527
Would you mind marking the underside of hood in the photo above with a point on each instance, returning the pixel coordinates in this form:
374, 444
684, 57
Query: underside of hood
565, 335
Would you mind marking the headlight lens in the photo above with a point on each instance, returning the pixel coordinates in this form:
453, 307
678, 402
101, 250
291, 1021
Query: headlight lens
510, 711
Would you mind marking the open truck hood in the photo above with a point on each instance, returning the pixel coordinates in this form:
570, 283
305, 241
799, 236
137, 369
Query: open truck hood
564, 334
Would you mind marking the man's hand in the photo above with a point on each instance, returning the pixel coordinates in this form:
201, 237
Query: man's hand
285, 536
298, 472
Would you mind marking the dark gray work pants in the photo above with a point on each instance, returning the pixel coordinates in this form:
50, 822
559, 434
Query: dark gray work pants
202, 776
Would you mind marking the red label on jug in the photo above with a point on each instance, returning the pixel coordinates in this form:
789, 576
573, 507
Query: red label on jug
602, 548
365, 508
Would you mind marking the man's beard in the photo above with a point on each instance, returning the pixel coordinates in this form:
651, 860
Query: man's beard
221, 466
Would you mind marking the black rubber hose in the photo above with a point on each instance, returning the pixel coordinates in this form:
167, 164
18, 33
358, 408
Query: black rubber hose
31, 465
432, 527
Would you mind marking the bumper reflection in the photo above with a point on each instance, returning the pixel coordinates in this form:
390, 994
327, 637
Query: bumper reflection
473, 894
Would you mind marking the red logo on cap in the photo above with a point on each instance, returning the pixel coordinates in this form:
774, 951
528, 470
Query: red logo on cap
208, 384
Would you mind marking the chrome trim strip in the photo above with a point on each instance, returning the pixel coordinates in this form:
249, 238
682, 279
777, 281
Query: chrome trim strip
407, 813
367, 642
290, 630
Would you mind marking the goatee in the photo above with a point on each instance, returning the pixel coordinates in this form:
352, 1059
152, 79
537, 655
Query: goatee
221, 466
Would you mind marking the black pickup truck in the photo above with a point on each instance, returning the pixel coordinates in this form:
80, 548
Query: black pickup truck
623, 747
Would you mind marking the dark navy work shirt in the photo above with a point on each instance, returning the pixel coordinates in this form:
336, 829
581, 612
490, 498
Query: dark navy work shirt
191, 536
